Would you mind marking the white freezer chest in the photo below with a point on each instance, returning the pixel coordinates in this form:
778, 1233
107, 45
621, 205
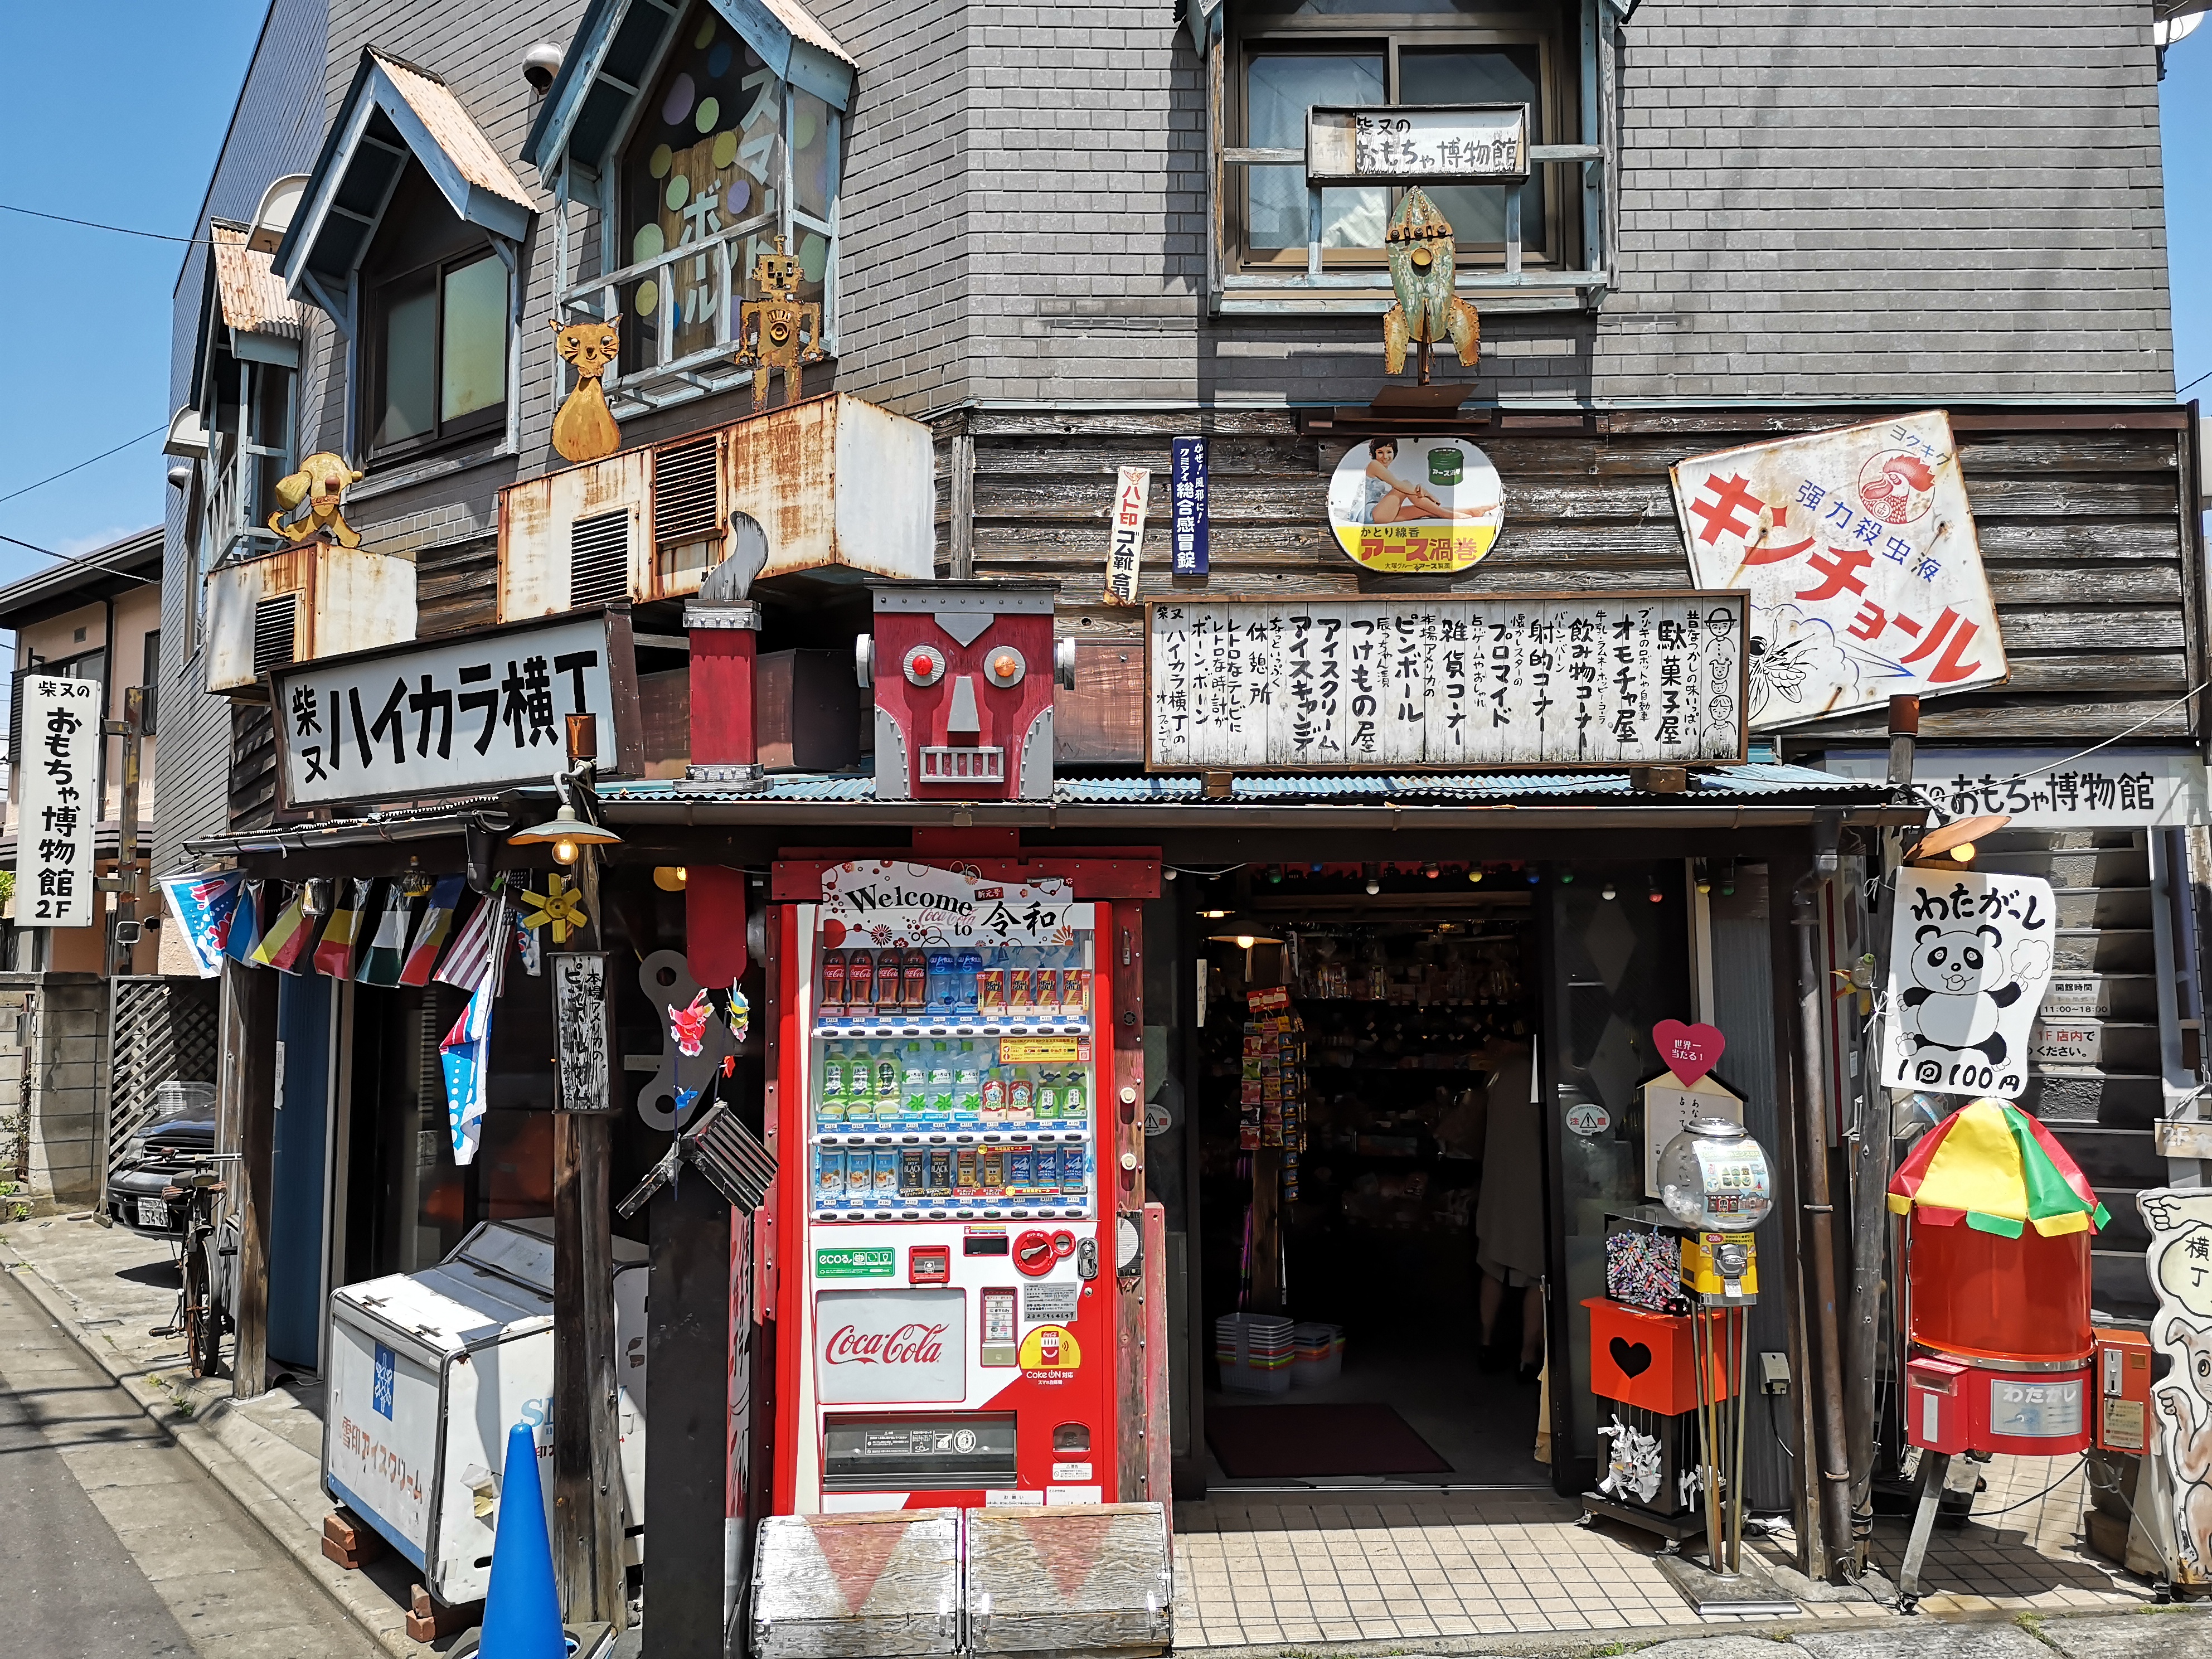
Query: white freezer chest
427, 1372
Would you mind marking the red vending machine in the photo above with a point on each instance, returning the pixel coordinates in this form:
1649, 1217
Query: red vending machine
951, 1107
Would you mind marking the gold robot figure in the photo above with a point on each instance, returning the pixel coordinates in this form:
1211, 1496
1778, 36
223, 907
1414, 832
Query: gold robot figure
1427, 310
777, 331
321, 482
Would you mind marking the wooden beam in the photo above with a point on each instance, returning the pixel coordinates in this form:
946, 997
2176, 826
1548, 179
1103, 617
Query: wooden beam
687, 1336
246, 1119
1121, 1173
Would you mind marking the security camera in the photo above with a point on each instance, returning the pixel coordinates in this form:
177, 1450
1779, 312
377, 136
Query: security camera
541, 63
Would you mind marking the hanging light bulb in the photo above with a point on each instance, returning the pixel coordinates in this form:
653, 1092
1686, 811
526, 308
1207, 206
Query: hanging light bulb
1704, 877
1275, 872
1535, 876
1167, 873
1567, 875
1964, 852
1374, 873
1475, 872
1430, 870
1658, 897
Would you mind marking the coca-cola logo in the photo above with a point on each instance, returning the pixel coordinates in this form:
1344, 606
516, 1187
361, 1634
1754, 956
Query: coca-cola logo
911, 1344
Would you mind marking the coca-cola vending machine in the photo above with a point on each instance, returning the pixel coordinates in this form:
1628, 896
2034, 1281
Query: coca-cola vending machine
951, 1110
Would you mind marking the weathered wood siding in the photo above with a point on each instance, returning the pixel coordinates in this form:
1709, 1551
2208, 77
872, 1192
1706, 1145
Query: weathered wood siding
2092, 549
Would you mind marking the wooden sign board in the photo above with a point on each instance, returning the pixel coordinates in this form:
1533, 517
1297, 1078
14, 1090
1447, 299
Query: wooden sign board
583, 1025
1668, 1104
1417, 144
1445, 682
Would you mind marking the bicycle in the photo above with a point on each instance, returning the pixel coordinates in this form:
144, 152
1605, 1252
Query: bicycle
204, 1264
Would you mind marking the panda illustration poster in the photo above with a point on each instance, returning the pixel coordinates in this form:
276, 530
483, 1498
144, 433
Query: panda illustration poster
1969, 959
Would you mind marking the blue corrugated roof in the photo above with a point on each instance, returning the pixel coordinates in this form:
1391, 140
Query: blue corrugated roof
1757, 780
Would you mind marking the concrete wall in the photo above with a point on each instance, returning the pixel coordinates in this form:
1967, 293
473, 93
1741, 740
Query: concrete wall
66, 1060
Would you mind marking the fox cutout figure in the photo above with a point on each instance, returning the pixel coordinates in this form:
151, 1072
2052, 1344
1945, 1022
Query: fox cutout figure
584, 430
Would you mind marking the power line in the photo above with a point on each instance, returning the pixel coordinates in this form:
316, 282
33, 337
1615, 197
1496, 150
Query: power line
79, 558
80, 467
93, 224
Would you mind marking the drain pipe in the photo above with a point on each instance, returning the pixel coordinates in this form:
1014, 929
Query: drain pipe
1832, 1456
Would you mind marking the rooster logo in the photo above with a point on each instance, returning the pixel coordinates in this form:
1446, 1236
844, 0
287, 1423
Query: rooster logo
1897, 487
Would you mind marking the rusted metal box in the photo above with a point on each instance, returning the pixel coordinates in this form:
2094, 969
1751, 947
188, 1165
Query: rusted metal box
854, 1586
807, 711
1091, 1579
302, 604
839, 489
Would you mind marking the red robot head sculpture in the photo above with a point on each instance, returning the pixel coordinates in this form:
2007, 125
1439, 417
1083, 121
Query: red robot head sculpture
963, 675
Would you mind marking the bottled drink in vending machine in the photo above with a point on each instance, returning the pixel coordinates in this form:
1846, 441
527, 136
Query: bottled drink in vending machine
860, 1084
1047, 1097
944, 994
833, 983
830, 1105
940, 1084
914, 1086
967, 970
887, 1080
994, 1097
1021, 1098
991, 984
967, 1087
860, 984
914, 979
1074, 1098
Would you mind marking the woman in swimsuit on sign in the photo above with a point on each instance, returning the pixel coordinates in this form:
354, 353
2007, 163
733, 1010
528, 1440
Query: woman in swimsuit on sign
1391, 500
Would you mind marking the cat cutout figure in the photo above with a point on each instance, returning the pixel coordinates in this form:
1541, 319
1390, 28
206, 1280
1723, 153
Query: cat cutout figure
320, 483
584, 430
777, 331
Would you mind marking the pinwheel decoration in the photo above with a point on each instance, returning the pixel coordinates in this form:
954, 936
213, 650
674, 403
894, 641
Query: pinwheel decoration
560, 908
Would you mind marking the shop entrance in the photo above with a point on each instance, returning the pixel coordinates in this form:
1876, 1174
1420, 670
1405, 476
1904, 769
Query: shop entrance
1374, 1191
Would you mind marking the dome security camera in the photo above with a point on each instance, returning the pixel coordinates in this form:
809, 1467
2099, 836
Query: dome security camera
541, 63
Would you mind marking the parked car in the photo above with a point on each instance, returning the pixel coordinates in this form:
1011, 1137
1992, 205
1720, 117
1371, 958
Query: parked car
158, 1155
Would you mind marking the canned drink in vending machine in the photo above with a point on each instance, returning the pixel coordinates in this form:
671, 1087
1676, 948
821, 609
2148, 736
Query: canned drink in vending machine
1074, 993
992, 1174
1073, 1168
883, 1188
829, 1176
1021, 1168
914, 1172
1047, 1169
941, 1172
965, 1177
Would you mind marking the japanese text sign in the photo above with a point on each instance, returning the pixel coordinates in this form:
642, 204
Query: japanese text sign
58, 802
1430, 143
583, 1026
1969, 957
1858, 548
1125, 542
1523, 679
468, 712
1190, 535
2051, 788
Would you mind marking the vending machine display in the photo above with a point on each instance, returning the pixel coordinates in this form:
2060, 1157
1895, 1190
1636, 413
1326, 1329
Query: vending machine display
945, 1055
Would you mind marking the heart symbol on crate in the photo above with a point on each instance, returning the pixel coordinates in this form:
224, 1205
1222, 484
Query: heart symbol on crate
1634, 1358
1688, 1051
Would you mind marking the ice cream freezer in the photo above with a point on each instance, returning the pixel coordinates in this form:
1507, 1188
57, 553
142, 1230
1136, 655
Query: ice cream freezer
427, 1372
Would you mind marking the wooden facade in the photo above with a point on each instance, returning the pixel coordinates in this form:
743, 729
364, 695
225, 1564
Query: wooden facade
2087, 522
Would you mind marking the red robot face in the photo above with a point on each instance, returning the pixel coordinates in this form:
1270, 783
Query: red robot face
963, 704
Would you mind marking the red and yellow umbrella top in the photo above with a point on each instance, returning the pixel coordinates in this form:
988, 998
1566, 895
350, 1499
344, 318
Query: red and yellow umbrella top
1993, 1167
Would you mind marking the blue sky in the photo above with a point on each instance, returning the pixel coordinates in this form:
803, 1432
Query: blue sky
116, 114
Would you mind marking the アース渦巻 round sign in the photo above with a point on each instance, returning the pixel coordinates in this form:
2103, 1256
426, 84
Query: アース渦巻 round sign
1416, 506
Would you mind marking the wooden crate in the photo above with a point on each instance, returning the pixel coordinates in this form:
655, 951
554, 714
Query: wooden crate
857, 1586
1072, 1579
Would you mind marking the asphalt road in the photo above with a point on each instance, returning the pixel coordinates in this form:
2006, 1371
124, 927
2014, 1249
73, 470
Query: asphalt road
113, 1541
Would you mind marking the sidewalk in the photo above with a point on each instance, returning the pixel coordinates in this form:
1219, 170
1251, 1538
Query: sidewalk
1489, 1573
108, 1288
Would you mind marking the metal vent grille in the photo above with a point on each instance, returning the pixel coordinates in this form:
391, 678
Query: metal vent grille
685, 508
963, 765
598, 559
276, 633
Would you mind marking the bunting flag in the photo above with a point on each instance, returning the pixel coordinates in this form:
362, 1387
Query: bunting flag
245, 925
529, 944
466, 1057
203, 905
473, 946
334, 956
387, 947
430, 932
286, 938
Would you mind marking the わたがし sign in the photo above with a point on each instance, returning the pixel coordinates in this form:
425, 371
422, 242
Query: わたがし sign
1858, 548
1969, 957
1416, 506
1524, 679
56, 790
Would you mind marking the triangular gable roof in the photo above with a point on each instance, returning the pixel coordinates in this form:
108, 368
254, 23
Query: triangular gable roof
253, 298
392, 111
616, 45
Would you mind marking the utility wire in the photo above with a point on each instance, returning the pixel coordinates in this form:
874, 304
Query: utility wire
52, 477
93, 224
128, 575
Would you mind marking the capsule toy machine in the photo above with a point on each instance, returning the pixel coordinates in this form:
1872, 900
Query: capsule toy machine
949, 1319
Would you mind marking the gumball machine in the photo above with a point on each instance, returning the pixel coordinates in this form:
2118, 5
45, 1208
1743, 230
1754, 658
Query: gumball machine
1997, 1225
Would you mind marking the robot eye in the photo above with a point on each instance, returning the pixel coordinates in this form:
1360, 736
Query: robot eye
1004, 667
924, 666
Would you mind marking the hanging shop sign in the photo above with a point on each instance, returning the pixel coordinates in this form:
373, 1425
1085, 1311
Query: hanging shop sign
1190, 535
1858, 548
1125, 541
468, 712
2052, 788
1969, 957
57, 789
1445, 682
1416, 506
1418, 144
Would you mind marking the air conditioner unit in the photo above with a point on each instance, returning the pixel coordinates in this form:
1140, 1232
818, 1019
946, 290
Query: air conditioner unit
302, 602
840, 487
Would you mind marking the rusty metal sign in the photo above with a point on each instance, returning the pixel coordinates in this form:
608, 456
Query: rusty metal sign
1858, 547
1418, 144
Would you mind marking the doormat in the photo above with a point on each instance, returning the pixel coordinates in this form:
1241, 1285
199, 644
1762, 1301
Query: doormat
1254, 1443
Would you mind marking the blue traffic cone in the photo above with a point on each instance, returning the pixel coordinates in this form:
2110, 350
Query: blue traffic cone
522, 1611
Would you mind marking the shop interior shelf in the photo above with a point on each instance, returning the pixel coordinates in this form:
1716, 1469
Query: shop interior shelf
968, 1135
953, 1209
834, 1029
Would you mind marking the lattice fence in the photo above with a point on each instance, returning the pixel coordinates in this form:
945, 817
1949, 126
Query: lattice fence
162, 1031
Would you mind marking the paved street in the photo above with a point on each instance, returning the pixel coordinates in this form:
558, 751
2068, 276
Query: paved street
116, 1542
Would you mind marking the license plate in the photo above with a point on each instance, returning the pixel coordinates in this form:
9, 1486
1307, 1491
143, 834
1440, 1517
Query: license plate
153, 1212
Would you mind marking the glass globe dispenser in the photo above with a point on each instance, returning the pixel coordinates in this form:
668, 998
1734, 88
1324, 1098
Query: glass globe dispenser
1713, 1177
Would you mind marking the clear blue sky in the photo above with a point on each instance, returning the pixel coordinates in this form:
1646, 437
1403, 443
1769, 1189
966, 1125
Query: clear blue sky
88, 363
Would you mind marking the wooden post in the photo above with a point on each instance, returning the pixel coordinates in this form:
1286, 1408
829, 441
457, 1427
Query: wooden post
687, 1346
245, 1116
1121, 1173
586, 1462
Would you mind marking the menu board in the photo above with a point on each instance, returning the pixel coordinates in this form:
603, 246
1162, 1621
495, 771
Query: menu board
1437, 682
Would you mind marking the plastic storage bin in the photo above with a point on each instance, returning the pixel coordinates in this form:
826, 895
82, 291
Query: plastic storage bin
1316, 1353
1255, 1351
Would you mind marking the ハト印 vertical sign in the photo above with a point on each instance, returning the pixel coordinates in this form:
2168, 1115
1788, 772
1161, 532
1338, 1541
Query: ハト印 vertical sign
56, 789
1124, 543
1858, 549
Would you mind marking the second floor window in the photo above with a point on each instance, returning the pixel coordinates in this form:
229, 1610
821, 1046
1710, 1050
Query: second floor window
440, 353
